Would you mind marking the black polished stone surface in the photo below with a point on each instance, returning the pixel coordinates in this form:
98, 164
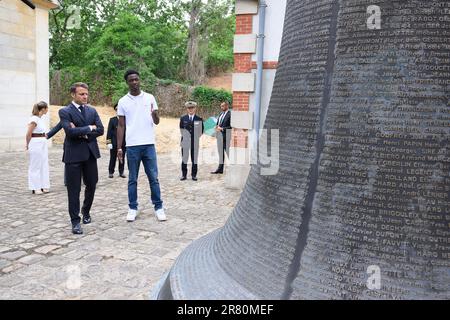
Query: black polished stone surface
364, 121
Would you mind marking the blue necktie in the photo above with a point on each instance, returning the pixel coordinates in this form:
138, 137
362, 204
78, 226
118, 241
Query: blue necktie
83, 111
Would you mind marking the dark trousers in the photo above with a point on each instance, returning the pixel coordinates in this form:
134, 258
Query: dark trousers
223, 146
190, 148
86, 170
112, 161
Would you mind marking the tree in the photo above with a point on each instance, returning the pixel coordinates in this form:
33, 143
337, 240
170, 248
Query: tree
220, 24
195, 68
210, 38
73, 26
96, 41
70, 41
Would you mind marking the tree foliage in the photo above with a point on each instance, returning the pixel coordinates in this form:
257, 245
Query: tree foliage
209, 98
220, 25
210, 37
152, 36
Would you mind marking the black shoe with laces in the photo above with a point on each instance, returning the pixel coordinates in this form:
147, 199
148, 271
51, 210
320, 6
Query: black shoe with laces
76, 229
87, 219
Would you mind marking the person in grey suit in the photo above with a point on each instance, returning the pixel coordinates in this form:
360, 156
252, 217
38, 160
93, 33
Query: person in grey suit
82, 126
223, 135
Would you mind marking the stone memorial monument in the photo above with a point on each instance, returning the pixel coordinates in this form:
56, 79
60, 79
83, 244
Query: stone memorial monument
360, 206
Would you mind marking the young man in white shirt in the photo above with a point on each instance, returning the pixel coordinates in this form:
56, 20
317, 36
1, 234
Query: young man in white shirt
138, 112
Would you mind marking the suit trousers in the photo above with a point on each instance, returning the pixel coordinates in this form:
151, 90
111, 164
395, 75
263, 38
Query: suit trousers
192, 149
223, 147
112, 161
86, 170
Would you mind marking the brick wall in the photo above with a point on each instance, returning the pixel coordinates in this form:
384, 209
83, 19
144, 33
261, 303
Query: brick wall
244, 24
242, 64
266, 65
244, 81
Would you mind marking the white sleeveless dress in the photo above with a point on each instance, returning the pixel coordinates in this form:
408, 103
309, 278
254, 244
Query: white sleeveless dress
38, 170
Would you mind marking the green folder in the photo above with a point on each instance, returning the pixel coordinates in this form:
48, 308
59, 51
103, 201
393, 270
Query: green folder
210, 126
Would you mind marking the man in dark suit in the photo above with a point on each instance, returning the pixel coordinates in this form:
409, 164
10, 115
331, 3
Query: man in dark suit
223, 135
82, 126
191, 127
50, 135
111, 141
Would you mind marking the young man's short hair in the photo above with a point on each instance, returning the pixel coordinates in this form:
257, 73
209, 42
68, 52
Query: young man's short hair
129, 73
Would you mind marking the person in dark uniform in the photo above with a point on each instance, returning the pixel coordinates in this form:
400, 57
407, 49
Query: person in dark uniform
111, 141
191, 127
223, 135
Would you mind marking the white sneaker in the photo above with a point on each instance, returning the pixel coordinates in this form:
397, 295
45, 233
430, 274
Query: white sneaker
131, 216
160, 214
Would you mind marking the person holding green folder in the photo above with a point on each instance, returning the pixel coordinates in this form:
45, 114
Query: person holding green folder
223, 135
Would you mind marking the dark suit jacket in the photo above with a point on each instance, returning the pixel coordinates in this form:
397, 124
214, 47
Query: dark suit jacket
111, 135
191, 128
80, 141
54, 130
226, 124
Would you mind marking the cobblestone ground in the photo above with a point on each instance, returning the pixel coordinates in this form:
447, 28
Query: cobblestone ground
41, 259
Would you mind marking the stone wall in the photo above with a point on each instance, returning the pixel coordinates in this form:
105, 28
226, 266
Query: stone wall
24, 67
18, 70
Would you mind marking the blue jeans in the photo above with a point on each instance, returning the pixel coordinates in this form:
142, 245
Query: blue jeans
146, 154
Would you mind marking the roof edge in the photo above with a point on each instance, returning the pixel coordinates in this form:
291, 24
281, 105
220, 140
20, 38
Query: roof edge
46, 4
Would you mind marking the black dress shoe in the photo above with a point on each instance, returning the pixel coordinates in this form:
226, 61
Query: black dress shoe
122, 175
86, 219
194, 178
217, 172
183, 178
111, 175
76, 229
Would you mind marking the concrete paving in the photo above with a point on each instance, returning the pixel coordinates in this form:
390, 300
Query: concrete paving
41, 259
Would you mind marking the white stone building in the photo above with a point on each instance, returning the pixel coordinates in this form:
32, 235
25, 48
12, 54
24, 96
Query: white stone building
248, 13
24, 66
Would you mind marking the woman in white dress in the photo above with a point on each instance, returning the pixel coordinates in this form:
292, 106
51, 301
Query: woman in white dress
38, 171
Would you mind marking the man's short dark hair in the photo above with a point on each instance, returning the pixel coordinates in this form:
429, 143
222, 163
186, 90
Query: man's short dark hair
73, 88
129, 73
